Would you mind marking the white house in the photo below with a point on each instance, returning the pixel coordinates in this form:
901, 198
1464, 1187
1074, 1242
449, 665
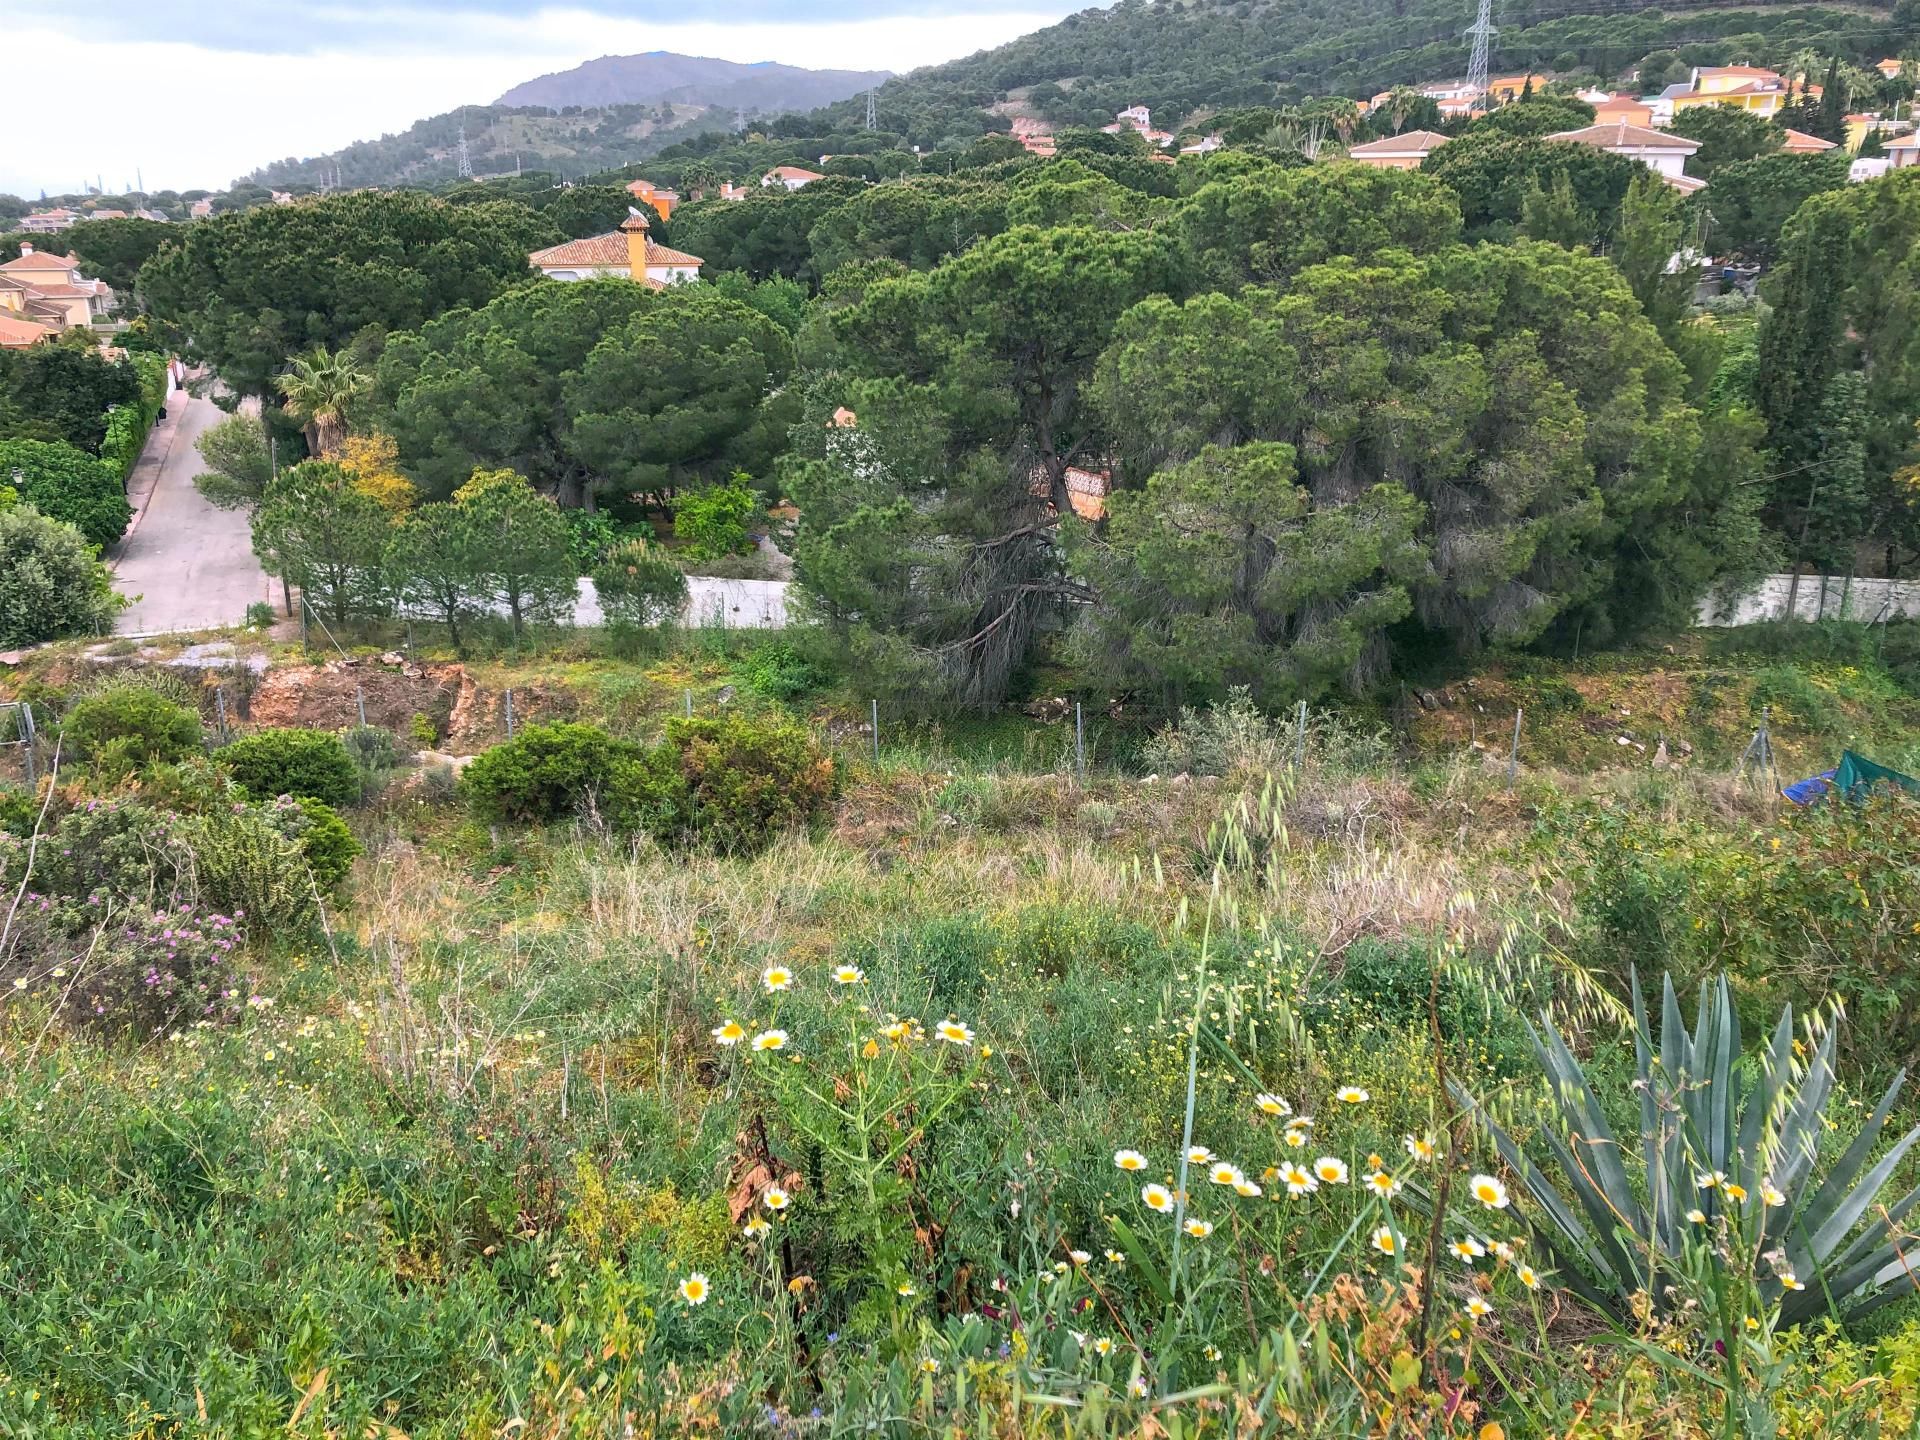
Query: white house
793, 177
628, 253
1903, 152
1664, 154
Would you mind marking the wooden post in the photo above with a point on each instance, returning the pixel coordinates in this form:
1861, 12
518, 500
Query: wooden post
1513, 756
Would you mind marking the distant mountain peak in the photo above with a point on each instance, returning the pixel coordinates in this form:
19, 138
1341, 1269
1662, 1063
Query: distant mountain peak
663, 77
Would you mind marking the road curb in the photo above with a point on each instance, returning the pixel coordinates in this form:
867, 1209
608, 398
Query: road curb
174, 417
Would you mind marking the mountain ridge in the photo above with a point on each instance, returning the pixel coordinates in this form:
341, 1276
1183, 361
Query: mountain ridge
666, 77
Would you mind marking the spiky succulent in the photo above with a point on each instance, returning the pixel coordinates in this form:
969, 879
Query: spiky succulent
1722, 1139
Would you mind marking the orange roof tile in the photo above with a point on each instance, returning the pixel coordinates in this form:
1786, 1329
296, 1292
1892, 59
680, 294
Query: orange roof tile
605, 252
16, 333
1799, 142
40, 260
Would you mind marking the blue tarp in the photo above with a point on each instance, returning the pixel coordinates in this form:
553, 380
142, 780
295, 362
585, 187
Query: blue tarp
1854, 777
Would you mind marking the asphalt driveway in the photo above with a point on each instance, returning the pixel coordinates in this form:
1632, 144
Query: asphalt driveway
186, 565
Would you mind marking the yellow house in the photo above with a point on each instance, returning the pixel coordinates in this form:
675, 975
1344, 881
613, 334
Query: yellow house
1503, 89
49, 290
1861, 126
1746, 87
662, 200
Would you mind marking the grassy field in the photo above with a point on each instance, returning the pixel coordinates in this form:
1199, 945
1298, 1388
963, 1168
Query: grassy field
471, 1150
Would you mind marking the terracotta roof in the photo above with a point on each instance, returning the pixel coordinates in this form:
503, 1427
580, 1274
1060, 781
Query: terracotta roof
1800, 141
1905, 142
40, 260
1413, 142
608, 251
1685, 184
1738, 70
795, 172
52, 291
15, 332
1625, 136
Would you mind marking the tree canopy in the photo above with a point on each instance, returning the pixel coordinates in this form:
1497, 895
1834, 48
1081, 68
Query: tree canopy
243, 292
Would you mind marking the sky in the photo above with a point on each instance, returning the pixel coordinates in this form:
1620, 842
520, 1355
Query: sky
192, 94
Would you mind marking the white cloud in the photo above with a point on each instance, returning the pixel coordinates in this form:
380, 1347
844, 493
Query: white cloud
191, 117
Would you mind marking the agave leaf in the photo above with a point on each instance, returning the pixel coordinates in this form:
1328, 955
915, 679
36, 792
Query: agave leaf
1844, 1216
1803, 1129
1844, 1177
1676, 1045
1776, 1069
1541, 1188
1656, 1146
1876, 1232
1588, 1126
1607, 1222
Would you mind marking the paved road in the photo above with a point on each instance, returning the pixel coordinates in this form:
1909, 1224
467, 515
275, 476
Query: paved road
190, 566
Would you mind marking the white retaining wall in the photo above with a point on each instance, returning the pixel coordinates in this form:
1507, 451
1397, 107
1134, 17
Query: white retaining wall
1819, 597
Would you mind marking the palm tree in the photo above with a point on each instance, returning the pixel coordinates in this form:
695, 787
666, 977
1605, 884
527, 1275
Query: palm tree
320, 386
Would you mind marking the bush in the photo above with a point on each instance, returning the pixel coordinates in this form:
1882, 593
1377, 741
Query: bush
731, 783
65, 483
552, 772
325, 840
306, 764
375, 757
713, 522
779, 672
251, 865
148, 971
639, 584
102, 858
50, 583
748, 778
129, 727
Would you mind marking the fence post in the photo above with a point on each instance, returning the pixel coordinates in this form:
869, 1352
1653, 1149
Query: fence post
27, 738
1080, 742
689, 700
1300, 736
220, 704
876, 731
360, 703
509, 712
1513, 757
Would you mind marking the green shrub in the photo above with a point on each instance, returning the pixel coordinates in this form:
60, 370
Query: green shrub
425, 734
713, 522
129, 727
638, 584
250, 865
63, 482
778, 672
748, 777
50, 583
326, 842
18, 811
553, 772
146, 972
306, 764
375, 757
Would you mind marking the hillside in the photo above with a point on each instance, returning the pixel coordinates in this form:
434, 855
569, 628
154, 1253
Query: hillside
661, 76
616, 110
1204, 55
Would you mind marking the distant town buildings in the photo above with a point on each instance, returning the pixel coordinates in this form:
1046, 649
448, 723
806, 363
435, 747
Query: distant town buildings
1139, 119
48, 222
1746, 87
627, 253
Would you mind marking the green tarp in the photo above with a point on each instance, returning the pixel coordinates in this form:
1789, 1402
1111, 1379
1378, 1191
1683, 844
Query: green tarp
1857, 776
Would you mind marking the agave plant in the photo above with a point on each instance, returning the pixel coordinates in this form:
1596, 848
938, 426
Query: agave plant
1730, 1152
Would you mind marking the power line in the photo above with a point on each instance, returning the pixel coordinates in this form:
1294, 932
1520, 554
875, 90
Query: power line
1482, 32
